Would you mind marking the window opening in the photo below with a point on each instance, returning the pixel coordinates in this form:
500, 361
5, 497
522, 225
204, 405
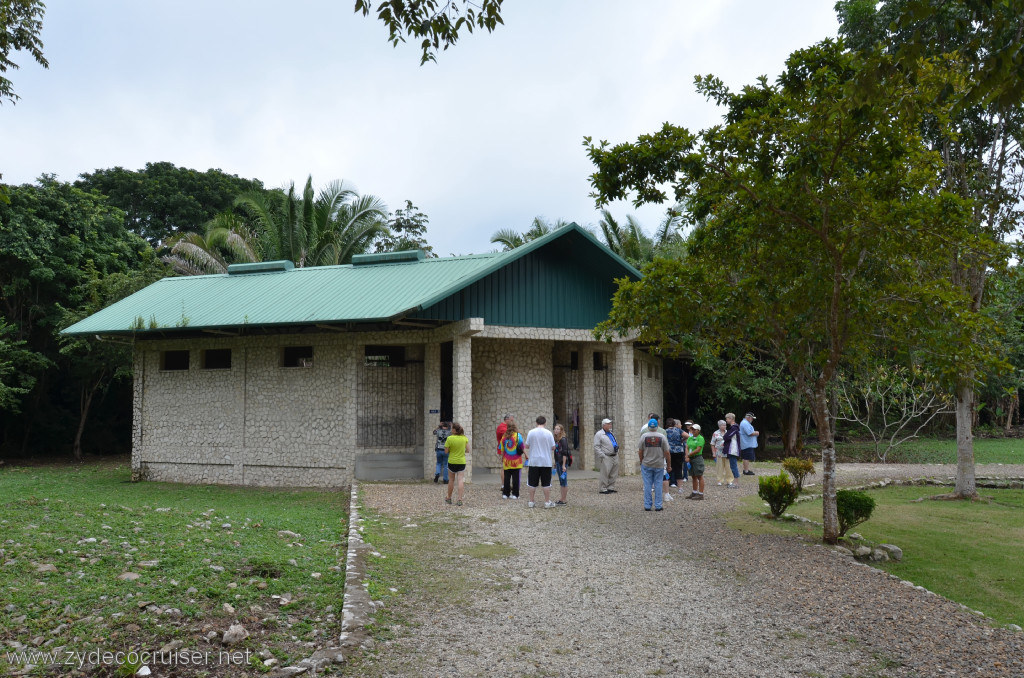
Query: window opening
297, 356
174, 360
217, 359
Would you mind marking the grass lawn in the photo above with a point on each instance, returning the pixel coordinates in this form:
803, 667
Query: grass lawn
205, 557
967, 552
930, 451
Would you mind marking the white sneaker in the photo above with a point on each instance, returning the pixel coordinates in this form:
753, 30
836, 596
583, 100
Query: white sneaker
668, 496
529, 504
504, 496
549, 504
719, 484
514, 496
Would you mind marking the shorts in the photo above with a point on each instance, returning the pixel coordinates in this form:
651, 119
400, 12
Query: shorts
539, 475
563, 481
748, 454
456, 468
697, 466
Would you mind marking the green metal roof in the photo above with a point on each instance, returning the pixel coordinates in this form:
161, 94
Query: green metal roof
252, 295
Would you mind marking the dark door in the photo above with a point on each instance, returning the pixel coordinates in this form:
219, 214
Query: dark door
447, 362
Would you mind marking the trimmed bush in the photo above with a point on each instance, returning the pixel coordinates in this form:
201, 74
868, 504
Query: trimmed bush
853, 508
778, 491
799, 469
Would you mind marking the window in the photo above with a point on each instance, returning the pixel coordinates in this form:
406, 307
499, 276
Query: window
657, 372
574, 360
650, 371
217, 359
636, 367
297, 356
600, 361
384, 356
174, 360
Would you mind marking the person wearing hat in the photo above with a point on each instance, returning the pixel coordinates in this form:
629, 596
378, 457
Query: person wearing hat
655, 417
695, 456
748, 442
654, 461
606, 453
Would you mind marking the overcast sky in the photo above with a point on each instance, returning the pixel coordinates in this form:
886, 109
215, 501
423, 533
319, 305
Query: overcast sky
488, 137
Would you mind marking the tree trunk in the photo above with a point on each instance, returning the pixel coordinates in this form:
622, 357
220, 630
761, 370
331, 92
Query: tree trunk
965, 483
791, 428
829, 515
86, 402
1010, 410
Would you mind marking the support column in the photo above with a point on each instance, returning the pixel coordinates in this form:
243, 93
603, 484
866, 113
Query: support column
585, 374
138, 393
431, 404
627, 421
462, 396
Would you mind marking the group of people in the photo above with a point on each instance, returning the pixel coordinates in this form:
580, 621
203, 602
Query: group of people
667, 456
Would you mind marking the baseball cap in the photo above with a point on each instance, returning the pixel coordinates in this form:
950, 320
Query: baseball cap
751, 415
605, 421
696, 427
653, 423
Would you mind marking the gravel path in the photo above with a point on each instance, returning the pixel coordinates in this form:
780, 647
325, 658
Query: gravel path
602, 587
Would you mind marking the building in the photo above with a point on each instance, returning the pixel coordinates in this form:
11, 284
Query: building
278, 376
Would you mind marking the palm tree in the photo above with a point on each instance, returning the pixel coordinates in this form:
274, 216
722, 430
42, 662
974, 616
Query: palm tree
510, 238
315, 229
227, 240
629, 241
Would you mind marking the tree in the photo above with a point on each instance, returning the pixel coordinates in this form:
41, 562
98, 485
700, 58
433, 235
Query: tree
55, 241
509, 238
17, 366
314, 229
227, 240
629, 241
437, 22
20, 24
407, 230
162, 200
891, 402
96, 364
982, 160
818, 228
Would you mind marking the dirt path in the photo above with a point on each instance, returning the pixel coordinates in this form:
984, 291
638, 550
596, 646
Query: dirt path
602, 587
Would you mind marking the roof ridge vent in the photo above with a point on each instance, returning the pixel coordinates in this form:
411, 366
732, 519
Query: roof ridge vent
388, 257
260, 267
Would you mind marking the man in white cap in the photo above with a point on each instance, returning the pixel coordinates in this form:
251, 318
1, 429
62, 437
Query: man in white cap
748, 442
654, 461
606, 452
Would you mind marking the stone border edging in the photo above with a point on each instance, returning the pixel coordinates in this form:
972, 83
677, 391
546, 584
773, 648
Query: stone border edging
988, 482
356, 604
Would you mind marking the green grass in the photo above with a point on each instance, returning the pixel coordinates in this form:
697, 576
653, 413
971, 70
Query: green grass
46, 514
969, 552
929, 451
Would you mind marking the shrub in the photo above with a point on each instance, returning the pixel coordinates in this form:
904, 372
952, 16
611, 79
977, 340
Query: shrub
853, 509
799, 469
778, 491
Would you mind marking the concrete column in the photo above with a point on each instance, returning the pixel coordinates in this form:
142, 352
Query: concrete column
431, 404
462, 397
585, 374
627, 420
138, 393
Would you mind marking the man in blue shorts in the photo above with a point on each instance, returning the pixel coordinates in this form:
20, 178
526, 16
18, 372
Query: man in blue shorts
748, 442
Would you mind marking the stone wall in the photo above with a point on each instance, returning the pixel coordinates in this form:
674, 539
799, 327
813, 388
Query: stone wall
511, 378
261, 423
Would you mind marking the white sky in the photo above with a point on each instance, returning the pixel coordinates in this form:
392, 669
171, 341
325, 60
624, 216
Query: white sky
488, 137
